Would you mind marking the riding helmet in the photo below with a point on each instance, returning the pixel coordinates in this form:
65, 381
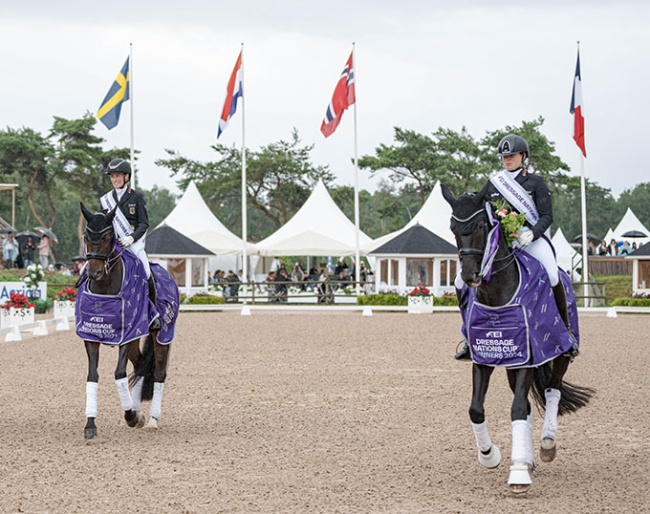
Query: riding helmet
118, 166
512, 144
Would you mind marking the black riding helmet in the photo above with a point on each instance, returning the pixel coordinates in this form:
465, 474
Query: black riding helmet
513, 144
118, 166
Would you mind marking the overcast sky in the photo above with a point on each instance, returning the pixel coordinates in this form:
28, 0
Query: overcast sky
420, 65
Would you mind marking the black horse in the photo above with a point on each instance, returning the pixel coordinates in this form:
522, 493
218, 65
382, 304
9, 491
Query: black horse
492, 274
102, 284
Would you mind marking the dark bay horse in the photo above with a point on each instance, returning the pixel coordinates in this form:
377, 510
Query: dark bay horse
503, 311
113, 308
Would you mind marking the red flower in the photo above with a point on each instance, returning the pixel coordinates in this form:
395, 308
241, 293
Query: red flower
18, 301
420, 291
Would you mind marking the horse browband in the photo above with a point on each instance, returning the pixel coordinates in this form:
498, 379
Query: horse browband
469, 251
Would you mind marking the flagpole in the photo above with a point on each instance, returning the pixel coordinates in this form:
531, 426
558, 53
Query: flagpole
583, 209
357, 266
244, 216
131, 107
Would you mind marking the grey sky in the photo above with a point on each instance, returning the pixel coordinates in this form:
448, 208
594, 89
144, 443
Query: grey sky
420, 65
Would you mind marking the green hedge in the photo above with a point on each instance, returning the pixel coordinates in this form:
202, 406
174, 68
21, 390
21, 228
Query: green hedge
393, 299
202, 299
631, 302
382, 299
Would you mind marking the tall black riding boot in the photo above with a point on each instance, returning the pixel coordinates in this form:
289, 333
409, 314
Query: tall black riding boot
155, 324
562, 306
463, 354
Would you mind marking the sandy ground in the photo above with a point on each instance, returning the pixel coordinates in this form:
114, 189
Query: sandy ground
295, 412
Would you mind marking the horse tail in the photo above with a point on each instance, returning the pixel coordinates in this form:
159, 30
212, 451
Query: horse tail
144, 368
572, 396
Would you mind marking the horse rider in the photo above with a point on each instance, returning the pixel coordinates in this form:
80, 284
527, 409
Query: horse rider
131, 220
526, 193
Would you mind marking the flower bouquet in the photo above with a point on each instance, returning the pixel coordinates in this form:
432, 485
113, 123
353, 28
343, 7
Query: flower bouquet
511, 221
66, 294
34, 276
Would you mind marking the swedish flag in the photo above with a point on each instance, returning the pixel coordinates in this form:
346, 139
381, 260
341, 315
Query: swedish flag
109, 111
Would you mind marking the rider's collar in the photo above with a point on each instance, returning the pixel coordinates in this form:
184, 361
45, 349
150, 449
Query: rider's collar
121, 191
514, 173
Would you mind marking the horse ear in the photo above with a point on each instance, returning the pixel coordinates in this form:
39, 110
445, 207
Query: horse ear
111, 214
448, 195
482, 194
87, 214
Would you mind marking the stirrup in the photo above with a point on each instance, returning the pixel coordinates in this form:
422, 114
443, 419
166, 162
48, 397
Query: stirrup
463, 354
155, 325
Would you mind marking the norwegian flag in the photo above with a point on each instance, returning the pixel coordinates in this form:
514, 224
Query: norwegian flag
234, 91
342, 98
576, 110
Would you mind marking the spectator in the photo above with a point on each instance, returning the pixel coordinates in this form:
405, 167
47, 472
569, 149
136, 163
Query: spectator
298, 275
602, 249
232, 288
634, 246
10, 250
44, 251
625, 249
612, 249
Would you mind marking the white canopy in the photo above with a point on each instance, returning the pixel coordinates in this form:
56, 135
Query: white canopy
566, 255
319, 228
434, 215
193, 218
630, 222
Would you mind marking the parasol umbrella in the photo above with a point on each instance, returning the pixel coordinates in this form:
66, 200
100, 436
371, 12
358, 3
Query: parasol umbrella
47, 232
591, 237
6, 230
634, 233
21, 237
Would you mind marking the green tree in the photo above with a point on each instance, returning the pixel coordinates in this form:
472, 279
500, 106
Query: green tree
638, 199
279, 179
412, 158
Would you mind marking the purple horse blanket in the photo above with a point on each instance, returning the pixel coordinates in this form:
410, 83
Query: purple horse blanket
118, 319
526, 332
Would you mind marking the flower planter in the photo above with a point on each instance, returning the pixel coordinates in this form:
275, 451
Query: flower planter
420, 304
63, 309
13, 317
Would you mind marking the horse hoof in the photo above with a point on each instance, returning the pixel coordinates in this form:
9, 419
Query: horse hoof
490, 459
548, 449
141, 420
153, 424
519, 480
90, 433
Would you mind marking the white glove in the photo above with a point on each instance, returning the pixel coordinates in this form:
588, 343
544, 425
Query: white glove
525, 236
125, 242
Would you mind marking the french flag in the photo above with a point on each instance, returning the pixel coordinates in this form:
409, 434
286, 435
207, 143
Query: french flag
576, 110
234, 91
342, 98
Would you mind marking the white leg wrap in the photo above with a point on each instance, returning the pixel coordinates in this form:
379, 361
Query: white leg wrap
530, 457
483, 441
549, 430
522, 442
156, 402
91, 399
136, 393
125, 395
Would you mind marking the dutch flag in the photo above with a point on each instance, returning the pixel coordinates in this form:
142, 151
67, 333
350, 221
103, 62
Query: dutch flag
576, 110
234, 91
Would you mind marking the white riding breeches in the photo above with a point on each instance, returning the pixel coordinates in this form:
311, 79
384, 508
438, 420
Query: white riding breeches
140, 253
542, 251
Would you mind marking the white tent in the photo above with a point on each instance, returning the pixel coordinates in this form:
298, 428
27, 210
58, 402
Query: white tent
567, 256
193, 218
319, 228
434, 215
630, 222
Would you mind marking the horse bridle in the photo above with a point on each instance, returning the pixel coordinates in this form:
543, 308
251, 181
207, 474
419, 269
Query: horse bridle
94, 237
469, 250
477, 251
